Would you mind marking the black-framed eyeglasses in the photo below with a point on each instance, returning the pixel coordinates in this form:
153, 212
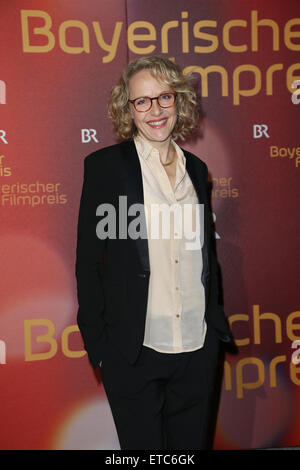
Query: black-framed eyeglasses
144, 103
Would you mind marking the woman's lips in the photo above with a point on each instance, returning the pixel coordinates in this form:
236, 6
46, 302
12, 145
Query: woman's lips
158, 124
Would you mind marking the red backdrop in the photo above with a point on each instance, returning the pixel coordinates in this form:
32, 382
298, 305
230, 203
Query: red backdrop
58, 62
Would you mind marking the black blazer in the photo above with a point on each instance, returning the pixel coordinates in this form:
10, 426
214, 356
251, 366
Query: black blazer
113, 274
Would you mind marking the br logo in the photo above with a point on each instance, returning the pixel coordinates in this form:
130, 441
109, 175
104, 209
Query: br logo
88, 134
260, 130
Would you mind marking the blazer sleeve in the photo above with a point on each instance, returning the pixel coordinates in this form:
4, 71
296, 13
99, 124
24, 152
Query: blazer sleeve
89, 268
219, 319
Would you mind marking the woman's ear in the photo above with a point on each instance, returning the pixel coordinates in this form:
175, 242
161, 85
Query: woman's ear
130, 110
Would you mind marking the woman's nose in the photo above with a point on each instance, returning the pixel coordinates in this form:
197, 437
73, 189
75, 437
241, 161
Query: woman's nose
155, 109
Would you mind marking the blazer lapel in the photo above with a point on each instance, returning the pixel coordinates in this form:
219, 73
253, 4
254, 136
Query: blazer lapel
200, 188
135, 195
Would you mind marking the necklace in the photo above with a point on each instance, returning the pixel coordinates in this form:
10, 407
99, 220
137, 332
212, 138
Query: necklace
169, 163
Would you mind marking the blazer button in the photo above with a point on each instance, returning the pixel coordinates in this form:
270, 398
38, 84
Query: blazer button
143, 275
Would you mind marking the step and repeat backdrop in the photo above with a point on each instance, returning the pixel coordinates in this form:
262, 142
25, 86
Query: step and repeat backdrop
58, 61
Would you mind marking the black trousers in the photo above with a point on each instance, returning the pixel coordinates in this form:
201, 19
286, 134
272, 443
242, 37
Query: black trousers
163, 401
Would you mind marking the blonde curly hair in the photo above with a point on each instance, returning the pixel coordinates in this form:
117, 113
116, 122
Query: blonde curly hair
163, 70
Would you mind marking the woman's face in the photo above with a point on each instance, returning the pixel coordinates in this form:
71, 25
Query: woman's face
157, 124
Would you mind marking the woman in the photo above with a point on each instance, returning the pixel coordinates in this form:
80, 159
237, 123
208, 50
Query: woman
148, 297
